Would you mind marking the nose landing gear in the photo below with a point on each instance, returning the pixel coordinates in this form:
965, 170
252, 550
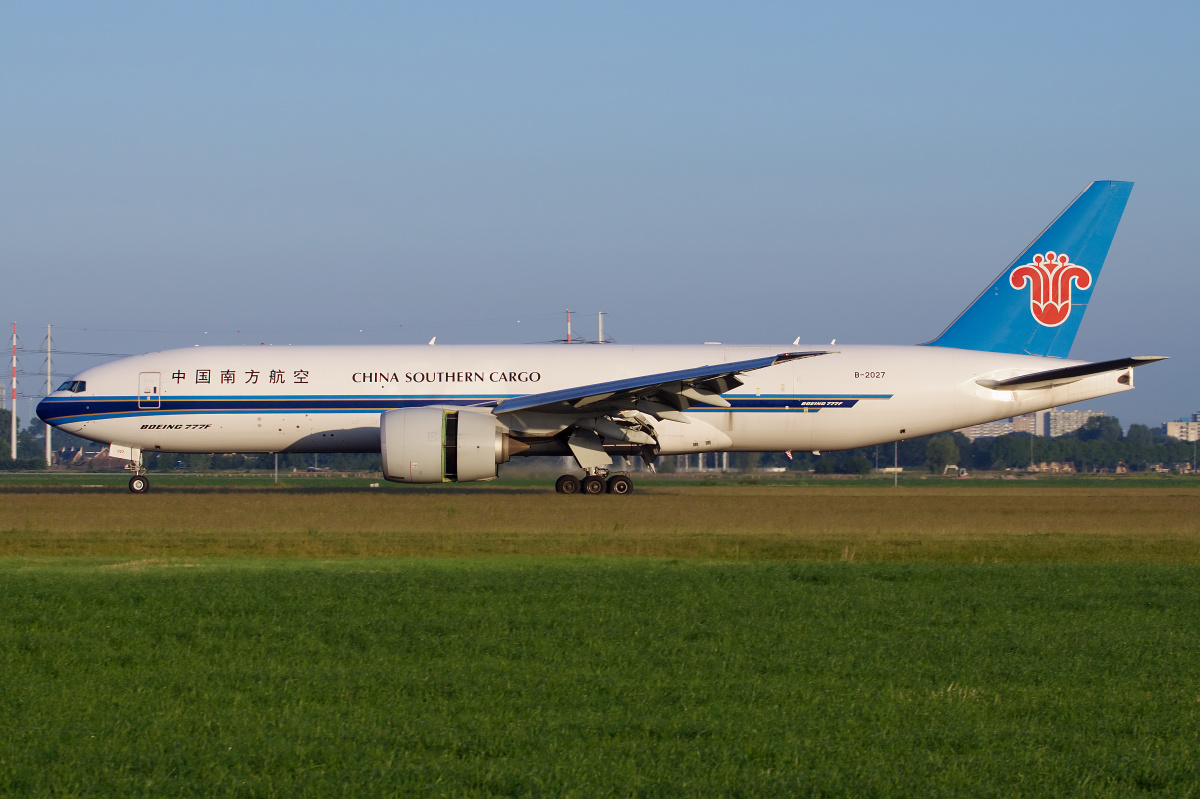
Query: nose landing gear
139, 483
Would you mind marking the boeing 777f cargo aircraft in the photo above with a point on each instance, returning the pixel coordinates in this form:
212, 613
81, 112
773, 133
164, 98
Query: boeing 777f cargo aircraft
453, 413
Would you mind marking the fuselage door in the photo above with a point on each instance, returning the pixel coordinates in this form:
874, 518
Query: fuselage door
149, 393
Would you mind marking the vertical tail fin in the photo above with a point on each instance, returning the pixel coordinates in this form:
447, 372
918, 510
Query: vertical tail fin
1036, 304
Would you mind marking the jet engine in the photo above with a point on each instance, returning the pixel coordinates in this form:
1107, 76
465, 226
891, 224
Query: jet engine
438, 445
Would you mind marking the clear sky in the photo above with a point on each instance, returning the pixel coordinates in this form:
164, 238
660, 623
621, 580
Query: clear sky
212, 173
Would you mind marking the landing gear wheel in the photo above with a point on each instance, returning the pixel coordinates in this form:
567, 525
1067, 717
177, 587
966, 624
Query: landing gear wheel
138, 484
619, 484
567, 484
594, 484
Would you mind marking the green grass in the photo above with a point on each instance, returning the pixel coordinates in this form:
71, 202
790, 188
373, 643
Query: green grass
560, 676
842, 639
927, 523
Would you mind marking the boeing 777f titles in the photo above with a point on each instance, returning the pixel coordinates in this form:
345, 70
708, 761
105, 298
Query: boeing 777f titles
454, 413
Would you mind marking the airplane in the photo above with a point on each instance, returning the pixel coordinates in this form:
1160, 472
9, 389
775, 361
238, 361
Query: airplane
455, 413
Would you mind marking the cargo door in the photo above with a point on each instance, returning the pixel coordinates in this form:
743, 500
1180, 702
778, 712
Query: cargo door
149, 391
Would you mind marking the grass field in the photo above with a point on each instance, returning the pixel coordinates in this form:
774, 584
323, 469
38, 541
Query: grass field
837, 640
557, 676
1006, 522
543, 480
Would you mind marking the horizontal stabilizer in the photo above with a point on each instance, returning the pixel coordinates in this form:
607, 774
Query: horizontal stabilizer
1068, 374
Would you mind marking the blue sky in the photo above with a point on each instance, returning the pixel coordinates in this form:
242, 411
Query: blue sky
176, 173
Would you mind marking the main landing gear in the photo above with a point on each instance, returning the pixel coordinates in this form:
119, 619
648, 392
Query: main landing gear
594, 483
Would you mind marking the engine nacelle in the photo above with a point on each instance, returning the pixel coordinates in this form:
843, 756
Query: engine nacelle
437, 445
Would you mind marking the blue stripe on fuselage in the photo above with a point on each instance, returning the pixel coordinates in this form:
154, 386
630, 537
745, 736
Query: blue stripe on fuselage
61, 410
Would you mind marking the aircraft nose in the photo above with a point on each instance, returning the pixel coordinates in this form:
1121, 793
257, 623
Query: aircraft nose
45, 411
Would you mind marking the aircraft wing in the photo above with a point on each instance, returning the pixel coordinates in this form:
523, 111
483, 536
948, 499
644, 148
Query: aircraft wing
1068, 374
666, 394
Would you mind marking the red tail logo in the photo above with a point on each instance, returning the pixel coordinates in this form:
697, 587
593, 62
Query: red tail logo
1049, 278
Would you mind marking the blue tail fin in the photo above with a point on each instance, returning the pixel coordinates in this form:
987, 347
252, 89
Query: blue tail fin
1036, 304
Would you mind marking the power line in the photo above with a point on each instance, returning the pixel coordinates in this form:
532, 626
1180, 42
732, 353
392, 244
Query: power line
76, 352
484, 321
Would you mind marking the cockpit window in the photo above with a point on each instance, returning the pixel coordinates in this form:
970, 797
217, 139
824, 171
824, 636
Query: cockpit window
74, 386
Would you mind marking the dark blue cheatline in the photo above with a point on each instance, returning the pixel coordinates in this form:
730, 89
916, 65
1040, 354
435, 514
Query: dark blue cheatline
61, 410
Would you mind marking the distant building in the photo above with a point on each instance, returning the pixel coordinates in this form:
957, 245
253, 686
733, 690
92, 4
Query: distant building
1039, 423
989, 429
1184, 431
1025, 423
1059, 423
81, 455
1032, 423
1054, 467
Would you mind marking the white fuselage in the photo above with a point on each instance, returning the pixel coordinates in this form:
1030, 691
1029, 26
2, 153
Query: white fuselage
329, 399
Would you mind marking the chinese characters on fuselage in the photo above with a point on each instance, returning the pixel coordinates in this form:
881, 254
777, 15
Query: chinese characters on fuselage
249, 376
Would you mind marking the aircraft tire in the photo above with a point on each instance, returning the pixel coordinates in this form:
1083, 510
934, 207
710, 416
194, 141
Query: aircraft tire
138, 484
619, 484
594, 484
567, 484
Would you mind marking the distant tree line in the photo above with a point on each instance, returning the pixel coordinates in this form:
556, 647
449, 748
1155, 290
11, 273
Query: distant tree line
1100, 444
31, 446
288, 461
31, 454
